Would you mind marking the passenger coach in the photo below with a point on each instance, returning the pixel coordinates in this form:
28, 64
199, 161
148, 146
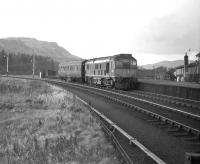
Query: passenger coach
72, 71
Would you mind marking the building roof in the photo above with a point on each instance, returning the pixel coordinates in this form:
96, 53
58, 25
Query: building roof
198, 55
193, 64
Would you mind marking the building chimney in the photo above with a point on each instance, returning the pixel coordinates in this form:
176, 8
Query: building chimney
185, 65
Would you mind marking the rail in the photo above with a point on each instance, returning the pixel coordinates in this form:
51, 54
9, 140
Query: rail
130, 138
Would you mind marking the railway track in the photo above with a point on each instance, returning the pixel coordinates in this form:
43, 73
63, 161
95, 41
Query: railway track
111, 128
165, 102
174, 127
187, 128
187, 120
175, 101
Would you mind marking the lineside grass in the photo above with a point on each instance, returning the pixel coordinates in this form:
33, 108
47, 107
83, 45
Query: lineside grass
43, 124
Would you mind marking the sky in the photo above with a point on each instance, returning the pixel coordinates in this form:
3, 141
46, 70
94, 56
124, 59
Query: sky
151, 30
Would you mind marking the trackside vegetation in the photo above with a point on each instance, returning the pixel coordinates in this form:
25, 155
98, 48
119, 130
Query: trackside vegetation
44, 124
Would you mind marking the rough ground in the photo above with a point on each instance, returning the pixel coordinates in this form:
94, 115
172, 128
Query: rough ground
40, 123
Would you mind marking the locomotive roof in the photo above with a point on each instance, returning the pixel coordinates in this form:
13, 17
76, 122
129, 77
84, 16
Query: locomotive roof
107, 58
98, 60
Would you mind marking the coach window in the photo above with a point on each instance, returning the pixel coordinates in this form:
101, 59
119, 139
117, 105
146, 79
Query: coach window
87, 66
94, 72
107, 67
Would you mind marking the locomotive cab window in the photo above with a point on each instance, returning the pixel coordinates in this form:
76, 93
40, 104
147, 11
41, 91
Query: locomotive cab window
133, 62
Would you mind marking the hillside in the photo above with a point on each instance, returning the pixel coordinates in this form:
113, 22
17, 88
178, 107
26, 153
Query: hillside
168, 64
41, 48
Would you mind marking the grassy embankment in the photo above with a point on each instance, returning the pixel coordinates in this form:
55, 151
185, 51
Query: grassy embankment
40, 123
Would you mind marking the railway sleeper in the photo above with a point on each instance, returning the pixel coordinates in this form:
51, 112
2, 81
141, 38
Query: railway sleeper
166, 126
153, 121
191, 132
162, 124
173, 130
190, 138
157, 122
181, 134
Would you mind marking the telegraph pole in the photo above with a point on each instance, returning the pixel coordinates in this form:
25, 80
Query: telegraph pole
7, 63
33, 73
154, 72
6, 56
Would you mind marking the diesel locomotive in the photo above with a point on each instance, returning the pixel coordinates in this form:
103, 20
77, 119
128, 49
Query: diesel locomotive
118, 71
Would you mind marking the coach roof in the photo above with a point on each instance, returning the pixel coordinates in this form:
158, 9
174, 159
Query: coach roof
78, 62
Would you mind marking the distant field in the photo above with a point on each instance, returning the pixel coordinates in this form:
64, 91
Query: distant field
40, 123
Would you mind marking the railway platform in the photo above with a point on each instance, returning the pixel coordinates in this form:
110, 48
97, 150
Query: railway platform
184, 90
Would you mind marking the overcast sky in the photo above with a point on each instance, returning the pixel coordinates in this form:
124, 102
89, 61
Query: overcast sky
152, 30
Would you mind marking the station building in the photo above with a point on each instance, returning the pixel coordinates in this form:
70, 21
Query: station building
189, 71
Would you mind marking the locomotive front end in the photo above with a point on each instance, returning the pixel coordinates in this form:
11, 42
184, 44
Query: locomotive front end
125, 71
